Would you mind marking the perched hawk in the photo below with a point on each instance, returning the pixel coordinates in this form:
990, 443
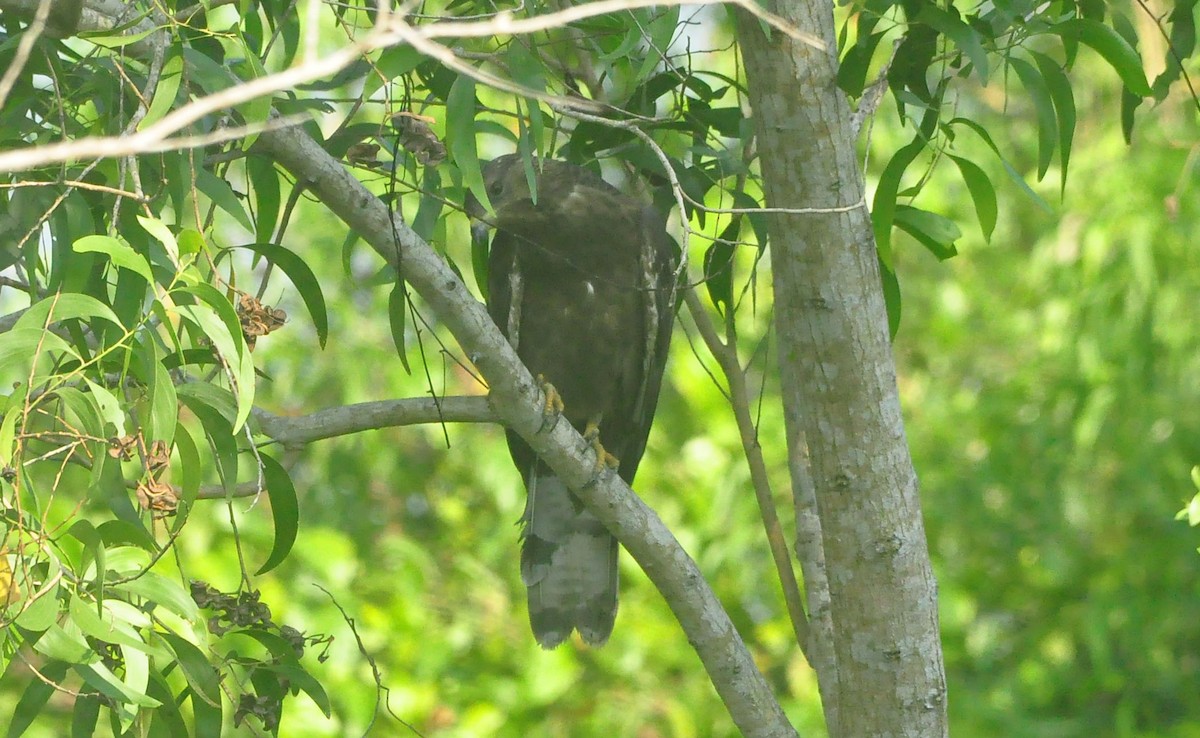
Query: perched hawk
582, 284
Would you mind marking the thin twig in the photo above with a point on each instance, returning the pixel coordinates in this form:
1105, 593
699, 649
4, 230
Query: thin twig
739, 400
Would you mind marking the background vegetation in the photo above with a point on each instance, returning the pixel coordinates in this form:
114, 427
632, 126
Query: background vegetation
1049, 379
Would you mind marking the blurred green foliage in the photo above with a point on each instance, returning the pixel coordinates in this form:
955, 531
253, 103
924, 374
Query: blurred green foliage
1050, 387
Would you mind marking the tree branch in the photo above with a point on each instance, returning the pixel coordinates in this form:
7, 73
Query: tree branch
295, 431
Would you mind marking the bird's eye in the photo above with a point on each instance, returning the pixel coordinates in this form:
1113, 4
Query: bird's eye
494, 188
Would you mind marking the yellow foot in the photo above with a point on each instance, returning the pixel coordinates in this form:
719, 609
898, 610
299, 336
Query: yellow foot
553, 406
604, 459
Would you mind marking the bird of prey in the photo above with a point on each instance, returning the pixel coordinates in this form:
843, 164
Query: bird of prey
581, 280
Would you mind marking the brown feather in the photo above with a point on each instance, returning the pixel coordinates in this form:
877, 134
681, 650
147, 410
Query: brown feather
582, 283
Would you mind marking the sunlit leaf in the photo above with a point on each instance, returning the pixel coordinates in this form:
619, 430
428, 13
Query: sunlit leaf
65, 642
169, 81
118, 253
163, 591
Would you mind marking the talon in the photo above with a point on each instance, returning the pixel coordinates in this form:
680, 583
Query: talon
604, 459
552, 407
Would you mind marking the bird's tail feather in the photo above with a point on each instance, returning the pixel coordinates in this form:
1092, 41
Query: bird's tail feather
568, 565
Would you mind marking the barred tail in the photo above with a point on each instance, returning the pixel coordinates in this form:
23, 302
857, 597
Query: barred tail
568, 565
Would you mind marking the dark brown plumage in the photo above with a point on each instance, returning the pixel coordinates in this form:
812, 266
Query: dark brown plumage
582, 284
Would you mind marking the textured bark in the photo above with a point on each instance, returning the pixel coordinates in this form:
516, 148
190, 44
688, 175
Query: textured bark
839, 380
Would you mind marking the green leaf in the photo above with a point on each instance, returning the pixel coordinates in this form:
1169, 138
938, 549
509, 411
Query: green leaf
256, 110
163, 235
718, 267
937, 233
85, 715
891, 297
65, 642
285, 511
163, 592
190, 243
395, 61
42, 612
852, 72
460, 130
115, 40
264, 180
232, 349
206, 71
166, 92
102, 679
883, 208
963, 36
397, 321
305, 682
1012, 173
1039, 93
167, 719
19, 346
102, 626
983, 194
347, 250
1129, 104
662, 25
527, 69
1064, 106
14, 409
162, 402
212, 397
65, 306
109, 406
429, 209
479, 264
1108, 43
222, 195
203, 679
305, 282
125, 533
207, 718
219, 430
118, 253
33, 700
188, 452
224, 309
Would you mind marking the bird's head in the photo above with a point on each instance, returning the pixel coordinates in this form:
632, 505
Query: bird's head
505, 181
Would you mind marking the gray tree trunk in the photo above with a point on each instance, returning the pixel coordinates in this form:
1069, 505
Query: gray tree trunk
879, 659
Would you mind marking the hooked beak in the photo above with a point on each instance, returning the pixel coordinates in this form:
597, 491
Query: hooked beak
479, 233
